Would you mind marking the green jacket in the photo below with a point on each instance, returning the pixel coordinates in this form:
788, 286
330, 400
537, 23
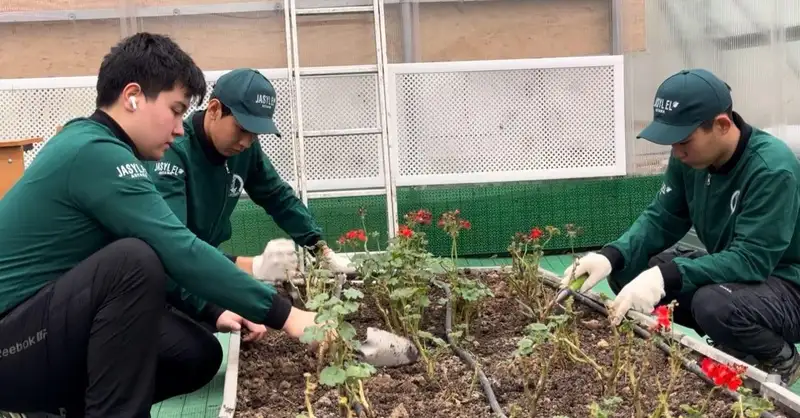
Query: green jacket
745, 214
88, 188
203, 187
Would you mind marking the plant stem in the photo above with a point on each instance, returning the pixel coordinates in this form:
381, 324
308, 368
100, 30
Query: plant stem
537, 393
308, 392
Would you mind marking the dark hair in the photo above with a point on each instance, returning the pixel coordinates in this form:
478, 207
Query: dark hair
155, 62
226, 111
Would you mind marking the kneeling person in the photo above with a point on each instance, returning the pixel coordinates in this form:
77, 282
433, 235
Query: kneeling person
203, 174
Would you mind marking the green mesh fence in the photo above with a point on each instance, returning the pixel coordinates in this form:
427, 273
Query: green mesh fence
604, 208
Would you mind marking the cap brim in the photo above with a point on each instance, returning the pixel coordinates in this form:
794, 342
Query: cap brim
255, 124
663, 134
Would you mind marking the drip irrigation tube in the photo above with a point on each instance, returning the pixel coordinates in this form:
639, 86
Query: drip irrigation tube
466, 357
687, 364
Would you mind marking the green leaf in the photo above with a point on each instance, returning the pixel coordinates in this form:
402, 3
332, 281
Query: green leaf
403, 293
352, 293
360, 371
347, 331
311, 334
332, 376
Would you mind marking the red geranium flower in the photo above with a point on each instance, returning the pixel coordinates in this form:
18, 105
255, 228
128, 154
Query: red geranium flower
405, 231
663, 320
536, 233
722, 374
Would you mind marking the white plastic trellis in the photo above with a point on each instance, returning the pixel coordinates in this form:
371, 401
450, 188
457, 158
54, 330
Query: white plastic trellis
448, 123
507, 120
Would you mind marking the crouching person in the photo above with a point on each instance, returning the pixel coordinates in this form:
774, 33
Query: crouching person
88, 249
740, 188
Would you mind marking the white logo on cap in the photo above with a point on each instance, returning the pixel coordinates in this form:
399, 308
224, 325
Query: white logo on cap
265, 100
664, 106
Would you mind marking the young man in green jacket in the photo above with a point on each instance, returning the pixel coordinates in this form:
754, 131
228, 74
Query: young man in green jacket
740, 189
203, 174
88, 245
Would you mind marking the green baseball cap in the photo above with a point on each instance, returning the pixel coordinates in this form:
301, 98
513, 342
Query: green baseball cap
683, 102
251, 98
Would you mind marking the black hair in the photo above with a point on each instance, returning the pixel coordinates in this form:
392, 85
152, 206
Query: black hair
154, 61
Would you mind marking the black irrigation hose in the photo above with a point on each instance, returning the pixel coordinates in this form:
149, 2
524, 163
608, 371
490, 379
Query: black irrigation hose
466, 357
688, 364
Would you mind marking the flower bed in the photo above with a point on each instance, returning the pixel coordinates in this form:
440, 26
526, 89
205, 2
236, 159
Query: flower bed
535, 358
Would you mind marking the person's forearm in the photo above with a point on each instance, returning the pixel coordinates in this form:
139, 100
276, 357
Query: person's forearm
245, 263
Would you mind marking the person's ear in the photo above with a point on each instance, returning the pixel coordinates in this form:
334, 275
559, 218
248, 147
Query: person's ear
724, 123
214, 109
130, 95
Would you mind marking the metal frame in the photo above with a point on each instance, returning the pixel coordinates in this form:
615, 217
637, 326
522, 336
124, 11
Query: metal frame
182, 10
620, 169
339, 188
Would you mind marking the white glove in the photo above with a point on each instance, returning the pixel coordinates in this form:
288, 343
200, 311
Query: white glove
277, 262
339, 263
596, 265
641, 294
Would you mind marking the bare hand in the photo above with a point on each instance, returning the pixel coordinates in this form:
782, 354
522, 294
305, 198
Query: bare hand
229, 321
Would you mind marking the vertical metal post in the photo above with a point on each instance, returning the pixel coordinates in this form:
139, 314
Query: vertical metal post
383, 110
616, 27
407, 25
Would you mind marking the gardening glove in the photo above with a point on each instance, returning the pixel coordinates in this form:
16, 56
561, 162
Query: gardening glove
596, 265
277, 262
641, 294
338, 263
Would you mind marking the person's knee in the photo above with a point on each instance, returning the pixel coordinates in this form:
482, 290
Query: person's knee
720, 312
133, 254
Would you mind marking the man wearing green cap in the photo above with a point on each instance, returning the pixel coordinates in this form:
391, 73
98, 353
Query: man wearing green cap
204, 172
740, 188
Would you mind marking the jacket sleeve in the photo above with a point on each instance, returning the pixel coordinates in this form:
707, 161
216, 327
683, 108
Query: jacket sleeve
663, 223
107, 182
169, 177
763, 231
267, 189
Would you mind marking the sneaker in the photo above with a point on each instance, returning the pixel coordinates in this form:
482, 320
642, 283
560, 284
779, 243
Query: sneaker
4, 414
786, 365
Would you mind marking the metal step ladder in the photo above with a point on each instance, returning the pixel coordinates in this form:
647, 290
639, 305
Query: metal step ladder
297, 75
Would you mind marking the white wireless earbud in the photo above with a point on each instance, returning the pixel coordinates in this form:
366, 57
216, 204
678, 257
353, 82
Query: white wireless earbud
133, 102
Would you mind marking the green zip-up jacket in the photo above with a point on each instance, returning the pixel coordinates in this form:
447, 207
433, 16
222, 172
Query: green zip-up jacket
745, 213
203, 187
87, 188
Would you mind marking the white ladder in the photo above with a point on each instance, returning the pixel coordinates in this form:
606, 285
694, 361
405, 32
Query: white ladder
296, 74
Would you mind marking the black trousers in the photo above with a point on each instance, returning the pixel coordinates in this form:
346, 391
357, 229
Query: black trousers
101, 342
757, 319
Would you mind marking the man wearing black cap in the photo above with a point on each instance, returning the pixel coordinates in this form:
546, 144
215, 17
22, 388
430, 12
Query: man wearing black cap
740, 188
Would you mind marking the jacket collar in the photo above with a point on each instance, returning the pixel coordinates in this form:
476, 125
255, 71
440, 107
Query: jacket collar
204, 141
104, 119
744, 138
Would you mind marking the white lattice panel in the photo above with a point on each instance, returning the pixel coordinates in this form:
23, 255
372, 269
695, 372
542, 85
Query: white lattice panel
342, 162
35, 112
339, 102
508, 121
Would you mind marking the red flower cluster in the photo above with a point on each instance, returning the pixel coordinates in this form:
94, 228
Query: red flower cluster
451, 222
723, 374
536, 233
405, 231
354, 235
663, 318
420, 217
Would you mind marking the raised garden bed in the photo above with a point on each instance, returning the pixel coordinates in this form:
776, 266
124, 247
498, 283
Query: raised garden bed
567, 361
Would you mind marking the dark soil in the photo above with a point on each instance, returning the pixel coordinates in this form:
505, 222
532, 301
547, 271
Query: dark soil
271, 382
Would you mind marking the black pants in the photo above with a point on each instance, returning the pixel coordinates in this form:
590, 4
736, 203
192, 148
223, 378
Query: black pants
100, 342
756, 319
